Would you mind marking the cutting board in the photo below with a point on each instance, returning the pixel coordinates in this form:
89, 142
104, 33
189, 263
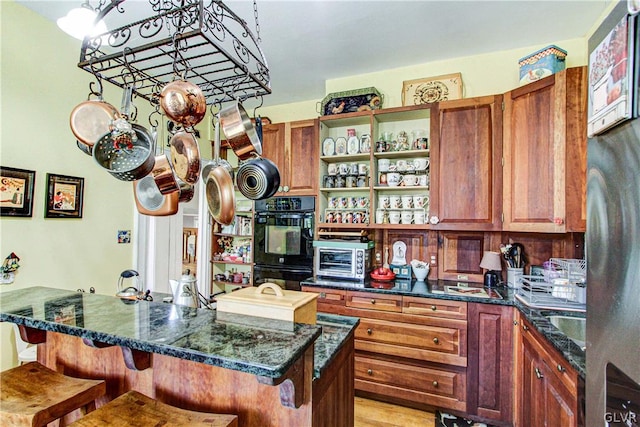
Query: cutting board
271, 301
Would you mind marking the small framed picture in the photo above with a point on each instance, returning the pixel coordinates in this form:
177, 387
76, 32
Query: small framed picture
64, 196
16, 191
432, 89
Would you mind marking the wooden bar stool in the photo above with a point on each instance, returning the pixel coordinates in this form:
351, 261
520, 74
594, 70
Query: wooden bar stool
135, 409
34, 395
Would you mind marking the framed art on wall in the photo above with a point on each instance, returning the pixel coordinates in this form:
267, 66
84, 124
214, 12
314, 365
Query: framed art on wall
64, 196
432, 89
16, 191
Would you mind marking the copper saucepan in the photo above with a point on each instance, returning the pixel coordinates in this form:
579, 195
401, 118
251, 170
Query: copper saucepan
164, 176
150, 201
90, 120
240, 132
185, 156
183, 102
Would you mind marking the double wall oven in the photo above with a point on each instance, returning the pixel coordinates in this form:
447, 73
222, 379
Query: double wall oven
283, 239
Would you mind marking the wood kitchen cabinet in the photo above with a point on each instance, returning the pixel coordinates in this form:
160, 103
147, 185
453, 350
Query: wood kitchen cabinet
466, 170
293, 147
545, 157
490, 362
546, 386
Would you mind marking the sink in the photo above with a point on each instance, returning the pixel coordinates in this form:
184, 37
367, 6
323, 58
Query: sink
575, 328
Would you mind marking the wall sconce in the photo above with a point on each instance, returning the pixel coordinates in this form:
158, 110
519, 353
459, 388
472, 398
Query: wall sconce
491, 262
79, 22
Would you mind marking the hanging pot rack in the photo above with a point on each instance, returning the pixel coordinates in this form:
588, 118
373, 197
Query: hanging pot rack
199, 40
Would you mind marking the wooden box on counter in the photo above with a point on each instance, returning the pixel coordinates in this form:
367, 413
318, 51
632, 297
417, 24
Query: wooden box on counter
270, 301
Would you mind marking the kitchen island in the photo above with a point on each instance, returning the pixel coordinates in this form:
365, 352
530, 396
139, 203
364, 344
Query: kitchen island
268, 372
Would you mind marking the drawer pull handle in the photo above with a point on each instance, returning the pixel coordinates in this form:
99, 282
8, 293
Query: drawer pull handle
434, 308
435, 383
525, 327
436, 340
373, 301
561, 368
370, 371
539, 374
369, 331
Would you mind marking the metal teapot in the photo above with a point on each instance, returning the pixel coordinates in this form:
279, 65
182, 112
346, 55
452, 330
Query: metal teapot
185, 291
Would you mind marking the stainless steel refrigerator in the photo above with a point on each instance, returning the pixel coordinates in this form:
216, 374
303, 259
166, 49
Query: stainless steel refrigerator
613, 227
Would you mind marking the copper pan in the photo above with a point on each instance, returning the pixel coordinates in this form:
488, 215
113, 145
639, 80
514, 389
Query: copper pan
186, 191
183, 102
185, 157
240, 132
221, 197
90, 120
149, 200
164, 175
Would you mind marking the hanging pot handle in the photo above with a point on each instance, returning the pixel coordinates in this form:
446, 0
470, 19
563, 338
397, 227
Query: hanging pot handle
259, 128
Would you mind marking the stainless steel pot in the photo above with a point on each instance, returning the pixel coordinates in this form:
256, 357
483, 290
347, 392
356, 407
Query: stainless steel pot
258, 178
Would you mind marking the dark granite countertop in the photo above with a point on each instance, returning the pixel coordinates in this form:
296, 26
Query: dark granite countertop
443, 289
194, 334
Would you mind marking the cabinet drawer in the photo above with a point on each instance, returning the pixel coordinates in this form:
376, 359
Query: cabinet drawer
371, 301
327, 295
435, 307
428, 343
416, 383
554, 361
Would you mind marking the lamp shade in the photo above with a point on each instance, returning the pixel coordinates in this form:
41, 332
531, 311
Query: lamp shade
491, 261
79, 22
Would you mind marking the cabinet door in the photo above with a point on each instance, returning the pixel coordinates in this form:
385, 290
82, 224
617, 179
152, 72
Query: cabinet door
490, 353
273, 147
545, 154
302, 158
468, 183
531, 391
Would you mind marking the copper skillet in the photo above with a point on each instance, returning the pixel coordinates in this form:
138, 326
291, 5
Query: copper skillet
221, 198
185, 157
90, 120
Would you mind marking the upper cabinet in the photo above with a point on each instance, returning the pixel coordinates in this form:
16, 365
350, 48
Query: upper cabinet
466, 171
545, 157
293, 147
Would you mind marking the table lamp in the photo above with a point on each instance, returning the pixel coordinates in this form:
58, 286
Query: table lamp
491, 262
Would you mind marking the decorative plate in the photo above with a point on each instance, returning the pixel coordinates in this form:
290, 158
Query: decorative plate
328, 147
365, 143
353, 145
341, 146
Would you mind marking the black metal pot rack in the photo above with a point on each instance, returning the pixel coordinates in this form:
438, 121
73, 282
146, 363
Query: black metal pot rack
202, 41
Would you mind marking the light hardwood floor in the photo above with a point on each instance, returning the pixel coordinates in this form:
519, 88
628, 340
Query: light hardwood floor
371, 413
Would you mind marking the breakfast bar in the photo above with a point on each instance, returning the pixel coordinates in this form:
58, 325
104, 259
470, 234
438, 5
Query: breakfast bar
268, 372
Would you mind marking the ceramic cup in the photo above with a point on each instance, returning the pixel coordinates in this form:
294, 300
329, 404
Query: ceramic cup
383, 165
329, 181
380, 216
395, 201
394, 179
342, 203
407, 202
332, 202
352, 202
384, 201
343, 168
332, 169
401, 165
340, 181
363, 202
406, 216
420, 201
351, 181
347, 218
395, 216
358, 217
363, 169
338, 217
418, 216
362, 181
421, 163
410, 180
329, 217
423, 180
382, 179
353, 168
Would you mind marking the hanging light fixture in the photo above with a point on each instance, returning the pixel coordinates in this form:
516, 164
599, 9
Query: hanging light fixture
79, 22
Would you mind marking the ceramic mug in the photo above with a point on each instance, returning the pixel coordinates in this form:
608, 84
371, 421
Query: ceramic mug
395, 202
382, 179
420, 201
423, 180
342, 202
395, 216
351, 181
329, 181
332, 169
394, 179
384, 201
410, 180
340, 181
421, 163
353, 168
338, 217
347, 218
352, 202
380, 216
362, 181
401, 165
363, 169
407, 202
343, 168
363, 202
406, 216
383, 165
329, 217
332, 202
358, 217
418, 216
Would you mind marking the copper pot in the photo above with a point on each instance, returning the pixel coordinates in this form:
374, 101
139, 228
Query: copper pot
183, 102
149, 200
185, 157
90, 120
240, 132
164, 176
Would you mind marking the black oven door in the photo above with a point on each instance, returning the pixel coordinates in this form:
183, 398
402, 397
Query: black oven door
287, 278
284, 239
